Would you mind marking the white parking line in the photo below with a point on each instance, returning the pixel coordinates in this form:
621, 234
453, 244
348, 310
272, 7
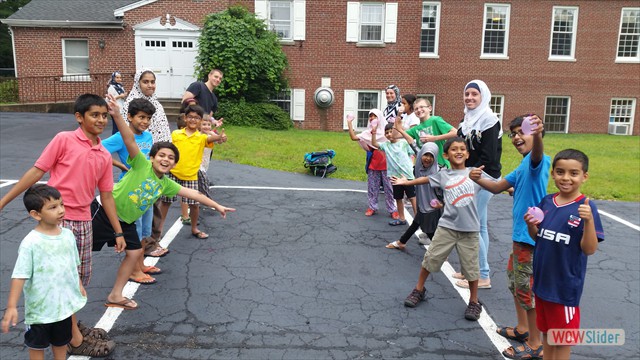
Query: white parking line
620, 220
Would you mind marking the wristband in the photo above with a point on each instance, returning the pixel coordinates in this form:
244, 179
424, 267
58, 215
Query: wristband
118, 235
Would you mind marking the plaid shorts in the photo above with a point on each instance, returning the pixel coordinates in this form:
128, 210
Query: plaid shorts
520, 274
203, 183
83, 232
189, 184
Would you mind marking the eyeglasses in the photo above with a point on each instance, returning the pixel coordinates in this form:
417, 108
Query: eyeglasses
422, 107
194, 118
514, 133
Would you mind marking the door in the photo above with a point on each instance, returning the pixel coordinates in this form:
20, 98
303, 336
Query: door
173, 61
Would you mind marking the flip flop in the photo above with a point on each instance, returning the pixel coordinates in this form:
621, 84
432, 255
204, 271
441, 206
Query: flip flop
124, 304
147, 280
458, 276
152, 270
395, 245
200, 235
158, 252
396, 222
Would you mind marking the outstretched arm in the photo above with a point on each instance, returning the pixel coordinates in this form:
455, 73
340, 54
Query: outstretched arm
494, 186
194, 195
403, 180
11, 314
352, 133
127, 135
212, 136
29, 178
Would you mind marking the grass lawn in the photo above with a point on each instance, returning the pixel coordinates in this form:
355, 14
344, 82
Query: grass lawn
614, 160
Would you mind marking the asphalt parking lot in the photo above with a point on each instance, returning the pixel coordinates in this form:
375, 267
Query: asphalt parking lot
298, 272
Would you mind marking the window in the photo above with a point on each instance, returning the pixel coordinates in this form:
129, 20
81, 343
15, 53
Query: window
432, 100
75, 54
497, 106
371, 23
629, 36
563, 33
430, 30
366, 102
182, 44
495, 38
155, 43
556, 114
284, 17
283, 100
622, 111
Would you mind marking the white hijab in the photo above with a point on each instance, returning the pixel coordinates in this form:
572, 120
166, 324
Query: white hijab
365, 136
482, 117
159, 127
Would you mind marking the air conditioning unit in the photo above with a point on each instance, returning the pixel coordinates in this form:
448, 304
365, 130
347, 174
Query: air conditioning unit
618, 129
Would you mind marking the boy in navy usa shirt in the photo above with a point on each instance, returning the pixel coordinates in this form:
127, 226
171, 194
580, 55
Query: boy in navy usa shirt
570, 231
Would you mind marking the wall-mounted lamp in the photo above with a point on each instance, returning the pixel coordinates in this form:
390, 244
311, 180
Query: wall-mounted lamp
102, 43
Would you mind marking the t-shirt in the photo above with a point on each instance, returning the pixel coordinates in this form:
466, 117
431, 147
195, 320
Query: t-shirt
559, 265
115, 144
409, 120
140, 188
460, 191
50, 266
398, 158
191, 148
206, 157
435, 125
530, 186
76, 168
204, 96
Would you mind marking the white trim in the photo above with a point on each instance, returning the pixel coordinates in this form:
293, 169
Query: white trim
350, 107
390, 25
260, 8
120, 11
154, 25
76, 77
297, 104
627, 59
436, 45
63, 24
574, 33
507, 23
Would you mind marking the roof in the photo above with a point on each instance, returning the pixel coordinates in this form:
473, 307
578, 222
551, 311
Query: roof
68, 13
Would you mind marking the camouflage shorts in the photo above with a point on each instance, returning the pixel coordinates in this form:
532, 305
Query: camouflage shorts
520, 274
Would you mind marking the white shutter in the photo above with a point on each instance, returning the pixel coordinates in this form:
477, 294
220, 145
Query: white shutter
297, 103
350, 107
261, 9
299, 19
390, 22
383, 99
353, 21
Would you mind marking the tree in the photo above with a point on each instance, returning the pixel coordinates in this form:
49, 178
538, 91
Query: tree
7, 8
238, 43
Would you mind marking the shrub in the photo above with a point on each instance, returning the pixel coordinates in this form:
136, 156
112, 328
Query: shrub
9, 91
262, 115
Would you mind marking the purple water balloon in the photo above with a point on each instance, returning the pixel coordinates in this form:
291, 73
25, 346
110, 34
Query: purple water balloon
434, 203
536, 212
526, 127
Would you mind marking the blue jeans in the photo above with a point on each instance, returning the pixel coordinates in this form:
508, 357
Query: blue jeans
143, 224
482, 204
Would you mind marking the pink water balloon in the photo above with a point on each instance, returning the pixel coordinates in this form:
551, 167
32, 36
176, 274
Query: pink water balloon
536, 213
434, 203
527, 127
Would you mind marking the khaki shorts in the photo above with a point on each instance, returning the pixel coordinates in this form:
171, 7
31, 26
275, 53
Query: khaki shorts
467, 245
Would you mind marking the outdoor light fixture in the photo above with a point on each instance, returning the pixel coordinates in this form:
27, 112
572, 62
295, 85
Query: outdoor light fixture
323, 97
102, 43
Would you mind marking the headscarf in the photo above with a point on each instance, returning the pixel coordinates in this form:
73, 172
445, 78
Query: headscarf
365, 136
425, 193
159, 127
116, 85
391, 111
482, 117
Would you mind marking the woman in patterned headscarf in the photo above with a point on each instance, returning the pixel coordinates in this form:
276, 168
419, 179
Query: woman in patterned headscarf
144, 86
393, 103
115, 89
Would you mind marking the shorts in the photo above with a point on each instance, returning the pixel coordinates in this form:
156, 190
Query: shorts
551, 315
40, 336
467, 245
520, 274
83, 232
429, 221
400, 190
203, 184
189, 184
103, 232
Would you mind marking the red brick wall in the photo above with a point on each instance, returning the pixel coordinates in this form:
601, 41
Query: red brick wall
525, 79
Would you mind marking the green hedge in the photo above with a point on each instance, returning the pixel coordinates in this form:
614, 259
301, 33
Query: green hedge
8, 91
262, 115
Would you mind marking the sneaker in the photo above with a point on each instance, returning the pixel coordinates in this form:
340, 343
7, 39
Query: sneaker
395, 215
424, 239
369, 212
473, 311
414, 298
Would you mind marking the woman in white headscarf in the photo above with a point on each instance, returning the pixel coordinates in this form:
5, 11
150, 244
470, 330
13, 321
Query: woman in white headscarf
144, 87
482, 132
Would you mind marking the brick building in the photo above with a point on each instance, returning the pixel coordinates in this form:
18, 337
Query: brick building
576, 62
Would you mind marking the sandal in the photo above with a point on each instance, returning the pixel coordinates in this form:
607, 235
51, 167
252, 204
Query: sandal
95, 333
152, 270
395, 245
517, 336
396, 222
92, 348
369, 212
185, 220
527, 353
200, 235
458, 276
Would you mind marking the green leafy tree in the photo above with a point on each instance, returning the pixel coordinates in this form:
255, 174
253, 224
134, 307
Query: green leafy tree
7, 8
239, 44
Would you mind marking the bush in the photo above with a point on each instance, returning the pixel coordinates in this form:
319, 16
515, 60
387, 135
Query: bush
262, 115
9, 91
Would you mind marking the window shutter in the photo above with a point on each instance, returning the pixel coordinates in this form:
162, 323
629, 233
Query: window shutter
299, 19
298, 104
350, 106
353, 21
383, 99
390, 22
261, 9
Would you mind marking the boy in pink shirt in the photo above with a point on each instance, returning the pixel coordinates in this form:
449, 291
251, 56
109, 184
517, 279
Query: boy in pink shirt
78, 164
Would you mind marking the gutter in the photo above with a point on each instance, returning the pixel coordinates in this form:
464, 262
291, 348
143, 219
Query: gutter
116, 24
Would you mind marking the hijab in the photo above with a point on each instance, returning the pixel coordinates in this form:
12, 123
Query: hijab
159, 127
391, 111
482, 117
116, 85
425, 193
366, 136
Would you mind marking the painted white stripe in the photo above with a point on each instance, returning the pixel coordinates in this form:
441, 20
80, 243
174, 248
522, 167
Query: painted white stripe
620, 220
285, 188
7, 183
111, 314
